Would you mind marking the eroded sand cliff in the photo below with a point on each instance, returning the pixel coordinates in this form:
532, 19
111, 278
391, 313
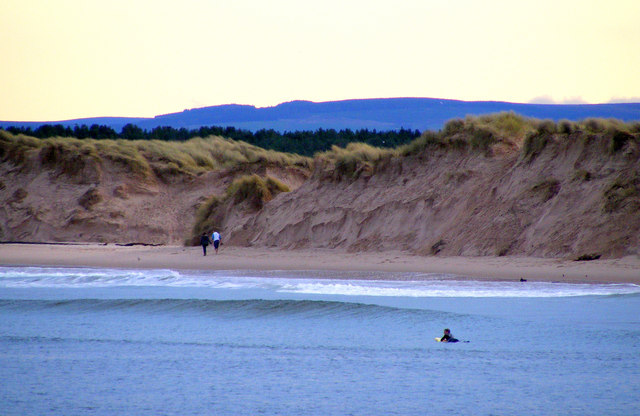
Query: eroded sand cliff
555, 194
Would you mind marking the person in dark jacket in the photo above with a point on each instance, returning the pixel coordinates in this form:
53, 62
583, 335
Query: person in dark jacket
204, 242
447, 336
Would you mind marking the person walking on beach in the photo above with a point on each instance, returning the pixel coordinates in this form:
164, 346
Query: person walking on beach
204, 242
216, 240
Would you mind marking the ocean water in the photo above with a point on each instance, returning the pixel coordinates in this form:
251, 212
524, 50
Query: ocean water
160, 342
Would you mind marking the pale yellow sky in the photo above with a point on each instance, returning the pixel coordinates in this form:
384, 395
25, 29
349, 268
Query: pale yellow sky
66, 59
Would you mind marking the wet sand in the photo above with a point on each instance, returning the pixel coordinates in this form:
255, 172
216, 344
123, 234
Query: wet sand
624, 270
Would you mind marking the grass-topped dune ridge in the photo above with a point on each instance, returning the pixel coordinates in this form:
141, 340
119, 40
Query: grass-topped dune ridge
143, 158
67, 189
492, 185
488, 135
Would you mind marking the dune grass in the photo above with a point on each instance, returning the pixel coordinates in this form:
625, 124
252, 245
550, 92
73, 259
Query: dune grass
480, 135
477, 134
16, 148
530, 135
428, 139
143, 157
354, 160
166, 159
622, 192
614, 133
546, 188
255, 189
207, 219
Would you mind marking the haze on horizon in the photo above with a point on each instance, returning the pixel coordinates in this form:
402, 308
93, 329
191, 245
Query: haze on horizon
86, 58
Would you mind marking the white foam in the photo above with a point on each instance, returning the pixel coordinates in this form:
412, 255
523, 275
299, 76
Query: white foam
459, 288
301, 283
83, 277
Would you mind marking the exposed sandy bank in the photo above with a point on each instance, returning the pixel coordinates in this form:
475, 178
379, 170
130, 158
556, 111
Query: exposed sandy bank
500, 186
464, 203
121, 191
624, 270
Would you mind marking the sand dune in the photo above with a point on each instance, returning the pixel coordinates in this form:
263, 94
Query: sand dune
557, 195
564, 202
126, 196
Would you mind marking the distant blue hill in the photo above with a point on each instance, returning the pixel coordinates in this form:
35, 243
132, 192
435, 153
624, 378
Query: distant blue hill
380, 114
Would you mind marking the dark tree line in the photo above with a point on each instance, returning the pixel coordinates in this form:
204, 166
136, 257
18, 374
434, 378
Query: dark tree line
302, 142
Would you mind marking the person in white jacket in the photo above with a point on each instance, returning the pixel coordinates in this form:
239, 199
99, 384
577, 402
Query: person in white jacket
216, 240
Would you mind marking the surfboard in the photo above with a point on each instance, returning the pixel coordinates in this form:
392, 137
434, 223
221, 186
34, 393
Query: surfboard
452, 341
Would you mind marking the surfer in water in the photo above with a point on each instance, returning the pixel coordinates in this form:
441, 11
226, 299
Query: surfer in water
448, 337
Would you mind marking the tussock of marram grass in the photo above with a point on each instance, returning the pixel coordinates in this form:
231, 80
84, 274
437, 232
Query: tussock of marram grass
124, 154
618, 140
224, 153
594, 125
623, 192
476, 133
354, 159
144, 157
250, 188
16, 148
68, 157
601, 125
505, 125
481, 132
275, 186
615, 132
581, 175
566, 127
546, 188
254, 189
534, 144
206, 219
428, 139
508, 124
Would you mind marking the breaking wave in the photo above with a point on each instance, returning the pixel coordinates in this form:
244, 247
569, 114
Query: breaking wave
411, 285
222, 308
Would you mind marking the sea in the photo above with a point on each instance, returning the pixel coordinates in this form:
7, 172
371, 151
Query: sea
91, 341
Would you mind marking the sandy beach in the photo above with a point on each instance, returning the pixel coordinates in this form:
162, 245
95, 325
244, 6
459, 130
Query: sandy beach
624, 270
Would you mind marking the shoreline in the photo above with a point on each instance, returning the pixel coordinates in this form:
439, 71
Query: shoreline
622, 270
